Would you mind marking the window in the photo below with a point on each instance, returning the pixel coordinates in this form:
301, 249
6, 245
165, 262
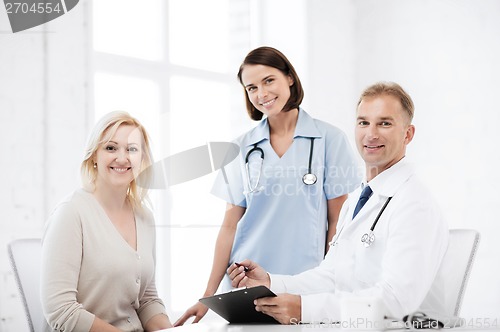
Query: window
172, 64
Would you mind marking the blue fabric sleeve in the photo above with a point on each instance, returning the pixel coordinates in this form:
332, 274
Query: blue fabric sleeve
229, 185
342, 171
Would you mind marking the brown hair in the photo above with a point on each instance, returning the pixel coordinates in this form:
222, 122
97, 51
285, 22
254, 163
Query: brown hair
392, 89
271, 57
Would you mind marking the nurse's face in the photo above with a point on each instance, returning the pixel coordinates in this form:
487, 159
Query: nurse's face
268, 89
382, 132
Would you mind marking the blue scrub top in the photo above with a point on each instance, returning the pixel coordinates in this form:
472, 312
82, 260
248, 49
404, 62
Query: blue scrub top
284, 226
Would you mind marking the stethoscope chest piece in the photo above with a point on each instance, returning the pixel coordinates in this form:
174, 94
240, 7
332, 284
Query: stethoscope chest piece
368, 239
309, 179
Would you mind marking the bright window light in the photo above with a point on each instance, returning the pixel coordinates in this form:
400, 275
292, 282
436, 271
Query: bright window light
184, 99
129, 28
199, 34
139, 97
199, 112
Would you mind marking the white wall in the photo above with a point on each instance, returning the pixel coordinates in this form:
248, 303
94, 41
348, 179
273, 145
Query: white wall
282, 24
445, 54
332, 65
44, 107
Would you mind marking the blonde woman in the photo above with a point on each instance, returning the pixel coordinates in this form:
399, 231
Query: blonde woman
98, 256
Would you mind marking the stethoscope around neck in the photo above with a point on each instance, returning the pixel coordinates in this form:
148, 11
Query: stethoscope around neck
308, 179
369, 237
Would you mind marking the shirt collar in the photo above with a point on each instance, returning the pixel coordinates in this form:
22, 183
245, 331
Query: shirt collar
305, 128
388, 182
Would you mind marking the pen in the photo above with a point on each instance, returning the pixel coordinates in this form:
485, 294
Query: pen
244, 267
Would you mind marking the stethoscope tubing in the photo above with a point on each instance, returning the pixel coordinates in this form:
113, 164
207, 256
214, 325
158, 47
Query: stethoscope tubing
307, 179
368, 238
380, 213
254, 149
311, 149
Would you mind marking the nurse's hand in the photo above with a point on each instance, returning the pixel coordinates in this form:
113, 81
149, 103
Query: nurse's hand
285, 308
254, 275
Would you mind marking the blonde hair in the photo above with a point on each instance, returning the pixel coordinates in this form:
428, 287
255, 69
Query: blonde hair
101, 134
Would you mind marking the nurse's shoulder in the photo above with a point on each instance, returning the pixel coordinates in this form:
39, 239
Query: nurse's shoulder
254, 135
325, 129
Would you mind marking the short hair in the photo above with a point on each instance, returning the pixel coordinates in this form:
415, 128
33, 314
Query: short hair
392, 89
271, 57
102, 133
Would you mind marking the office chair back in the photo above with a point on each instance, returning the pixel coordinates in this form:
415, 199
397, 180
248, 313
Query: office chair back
25, 258
456, 267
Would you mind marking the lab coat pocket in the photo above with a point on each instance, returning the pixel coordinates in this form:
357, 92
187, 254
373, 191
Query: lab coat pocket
368, 261
343, 263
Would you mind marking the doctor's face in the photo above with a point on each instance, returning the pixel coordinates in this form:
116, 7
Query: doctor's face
383, 130
268, 89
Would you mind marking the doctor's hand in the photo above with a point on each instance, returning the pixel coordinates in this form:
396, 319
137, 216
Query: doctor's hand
285, 308
198, 311
248, 274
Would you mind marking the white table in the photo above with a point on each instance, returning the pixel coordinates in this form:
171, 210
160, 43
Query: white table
214, 323
222, 326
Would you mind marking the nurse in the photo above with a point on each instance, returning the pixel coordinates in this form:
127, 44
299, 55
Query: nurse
285, 189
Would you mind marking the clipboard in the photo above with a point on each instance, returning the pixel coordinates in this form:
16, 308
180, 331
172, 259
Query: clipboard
237, 306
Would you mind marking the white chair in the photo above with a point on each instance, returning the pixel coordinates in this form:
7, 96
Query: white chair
25, 258
453, 275
457, 266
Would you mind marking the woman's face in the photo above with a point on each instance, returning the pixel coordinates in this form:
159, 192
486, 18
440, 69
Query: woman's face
268, 89
119, 160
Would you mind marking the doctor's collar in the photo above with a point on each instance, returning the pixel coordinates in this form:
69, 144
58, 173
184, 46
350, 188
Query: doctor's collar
387, 182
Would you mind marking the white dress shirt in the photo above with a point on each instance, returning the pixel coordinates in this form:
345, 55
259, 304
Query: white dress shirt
411, 238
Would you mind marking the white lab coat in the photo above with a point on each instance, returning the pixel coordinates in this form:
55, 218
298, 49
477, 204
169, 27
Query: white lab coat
399, 267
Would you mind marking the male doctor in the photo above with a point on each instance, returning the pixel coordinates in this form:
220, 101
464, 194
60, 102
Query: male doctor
397, 262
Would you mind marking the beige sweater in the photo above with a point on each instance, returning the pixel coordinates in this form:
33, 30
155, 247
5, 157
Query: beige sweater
89, 269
